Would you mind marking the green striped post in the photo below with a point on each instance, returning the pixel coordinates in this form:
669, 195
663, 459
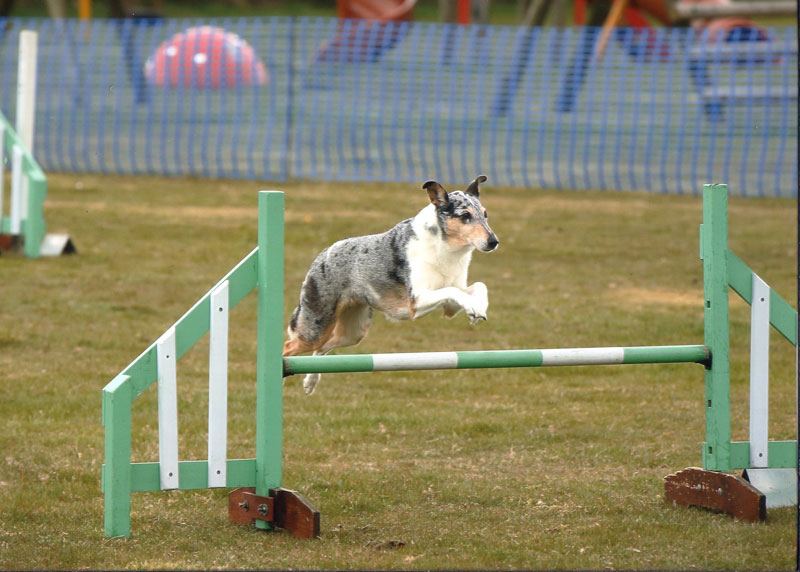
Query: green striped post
117, 405
33, 226
495, 359
269, 364
121, 477
714, 248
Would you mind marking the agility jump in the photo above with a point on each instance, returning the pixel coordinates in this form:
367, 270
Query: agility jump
259, 497
22, 222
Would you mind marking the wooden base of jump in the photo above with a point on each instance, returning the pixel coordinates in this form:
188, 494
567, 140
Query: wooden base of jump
283, 508
718, 492
9, 242
52, 244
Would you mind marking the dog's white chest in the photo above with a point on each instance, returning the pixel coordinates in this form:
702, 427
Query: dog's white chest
432, 264
431, 270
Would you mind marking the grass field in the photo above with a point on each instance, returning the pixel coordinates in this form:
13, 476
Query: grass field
549, 468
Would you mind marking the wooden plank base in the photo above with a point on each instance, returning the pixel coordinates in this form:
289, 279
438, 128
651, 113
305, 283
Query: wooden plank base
9, 242
294, 513
718, 492
283, 508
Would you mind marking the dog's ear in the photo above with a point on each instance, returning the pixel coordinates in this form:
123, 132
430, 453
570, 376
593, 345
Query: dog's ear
473, 186
436, 193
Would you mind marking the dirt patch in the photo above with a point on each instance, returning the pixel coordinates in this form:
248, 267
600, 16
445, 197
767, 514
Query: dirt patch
656, 297
183, 212
627, 207
188, 212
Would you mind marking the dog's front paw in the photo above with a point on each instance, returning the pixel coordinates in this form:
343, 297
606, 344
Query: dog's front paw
475, 312
475, 318
310, 382
478, 304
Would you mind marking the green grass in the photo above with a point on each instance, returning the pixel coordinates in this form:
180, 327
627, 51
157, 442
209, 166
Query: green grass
549, 468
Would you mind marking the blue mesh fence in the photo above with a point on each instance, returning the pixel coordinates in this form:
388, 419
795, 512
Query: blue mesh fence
664, 110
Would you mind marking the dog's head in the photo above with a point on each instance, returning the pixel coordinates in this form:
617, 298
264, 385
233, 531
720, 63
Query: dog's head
462, 219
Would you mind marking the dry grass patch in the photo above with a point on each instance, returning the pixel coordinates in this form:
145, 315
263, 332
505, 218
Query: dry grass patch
655, 297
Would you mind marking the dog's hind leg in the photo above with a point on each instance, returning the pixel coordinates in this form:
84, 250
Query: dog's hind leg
311, 324
352, 324
310, 380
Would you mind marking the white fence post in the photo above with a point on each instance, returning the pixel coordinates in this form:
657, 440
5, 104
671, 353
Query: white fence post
218, 388
759, 373
26, 87
17, 188
167, 411
2, 171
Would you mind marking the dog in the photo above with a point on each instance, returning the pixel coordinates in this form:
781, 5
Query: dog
417, 266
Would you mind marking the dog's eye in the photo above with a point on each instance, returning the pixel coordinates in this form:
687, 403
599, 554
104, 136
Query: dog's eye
466, 217
485, 214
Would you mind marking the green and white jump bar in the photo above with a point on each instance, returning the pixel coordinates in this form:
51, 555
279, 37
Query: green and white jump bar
495, 359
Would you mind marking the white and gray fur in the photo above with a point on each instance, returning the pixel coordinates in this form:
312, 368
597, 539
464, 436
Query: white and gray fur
406, 272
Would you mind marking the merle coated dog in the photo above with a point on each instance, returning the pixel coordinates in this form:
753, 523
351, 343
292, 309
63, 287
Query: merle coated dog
406, 272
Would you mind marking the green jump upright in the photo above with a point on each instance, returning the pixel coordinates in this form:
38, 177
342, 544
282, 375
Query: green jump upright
258, 496
723, 271
117, 405
712, 487
32, 227
713, 248
269, 364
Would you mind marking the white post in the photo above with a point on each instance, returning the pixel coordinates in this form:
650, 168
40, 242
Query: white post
167, 411
26, 107
26, 87
2, 171
218, 388
759, 373
17, 189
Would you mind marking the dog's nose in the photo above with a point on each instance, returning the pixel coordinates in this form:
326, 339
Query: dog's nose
492, 243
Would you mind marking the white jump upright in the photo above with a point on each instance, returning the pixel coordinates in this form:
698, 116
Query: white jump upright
759, 374
19, 195
26, 113
2, 178
218, 387
26, 87
168, 411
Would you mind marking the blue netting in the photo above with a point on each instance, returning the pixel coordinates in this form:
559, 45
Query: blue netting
665, 110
